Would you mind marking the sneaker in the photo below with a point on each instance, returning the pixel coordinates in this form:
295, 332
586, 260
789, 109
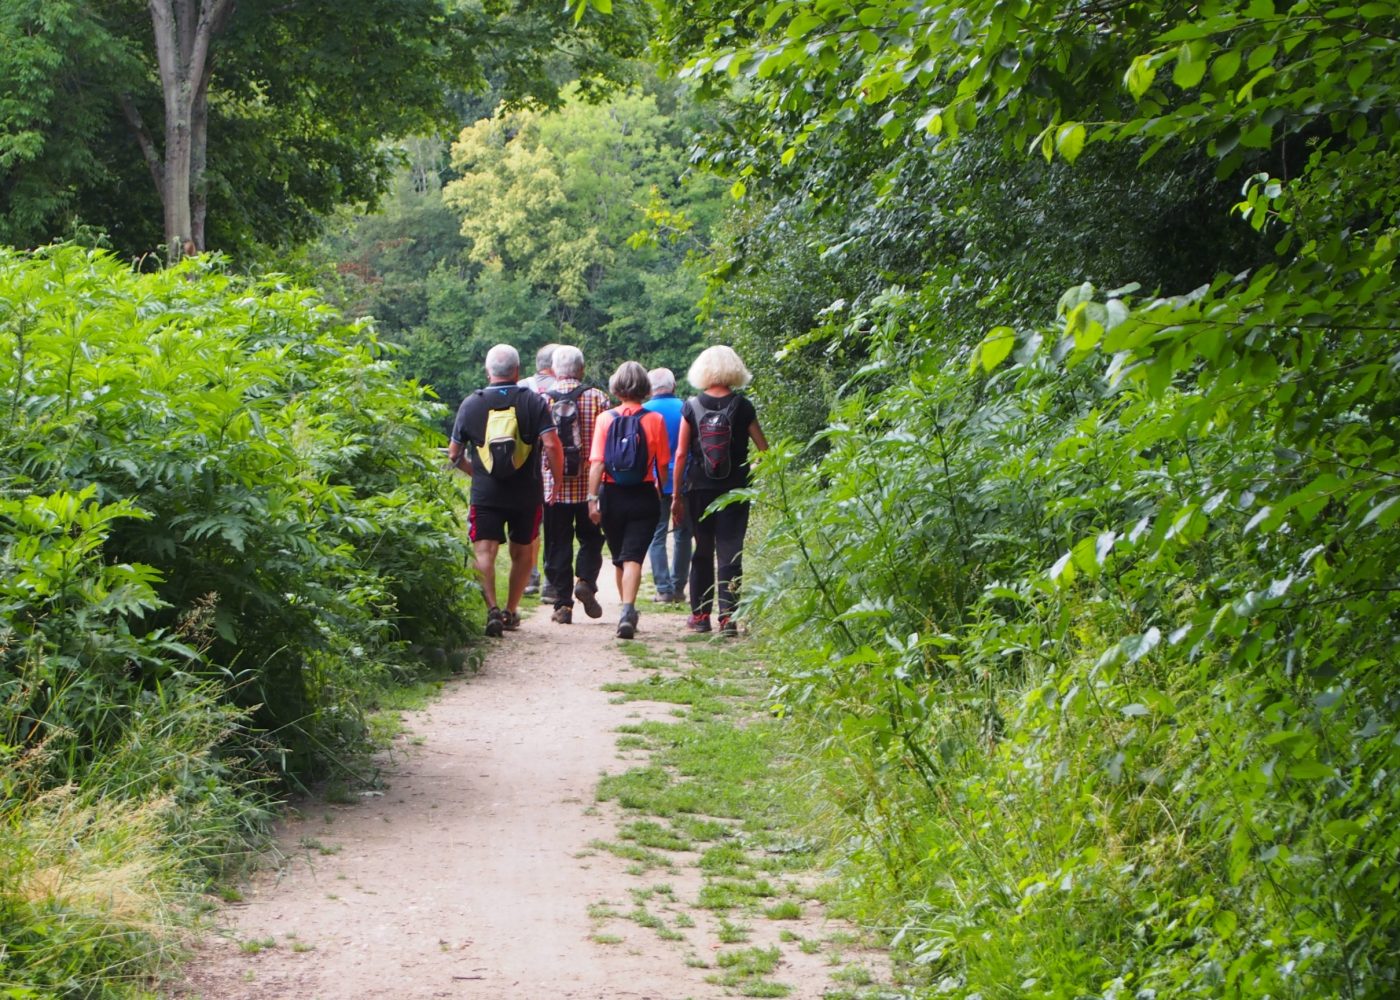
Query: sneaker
495, 623
563, 616
548, 594
587, 595
627, 626
512, 620
531, 590
727, 626
677, 597
698, 623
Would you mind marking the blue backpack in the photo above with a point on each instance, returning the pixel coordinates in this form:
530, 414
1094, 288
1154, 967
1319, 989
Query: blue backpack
625, 451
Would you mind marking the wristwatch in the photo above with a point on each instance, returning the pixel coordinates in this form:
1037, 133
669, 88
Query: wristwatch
592, 498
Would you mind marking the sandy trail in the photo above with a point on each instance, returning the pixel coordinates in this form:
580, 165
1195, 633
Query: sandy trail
470, 876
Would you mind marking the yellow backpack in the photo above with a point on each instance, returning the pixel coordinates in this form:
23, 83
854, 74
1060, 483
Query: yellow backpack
502, 452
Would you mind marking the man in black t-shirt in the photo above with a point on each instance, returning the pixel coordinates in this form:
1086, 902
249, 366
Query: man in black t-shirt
504, 504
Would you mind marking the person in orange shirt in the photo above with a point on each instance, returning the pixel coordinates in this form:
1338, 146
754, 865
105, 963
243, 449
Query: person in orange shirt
629, 463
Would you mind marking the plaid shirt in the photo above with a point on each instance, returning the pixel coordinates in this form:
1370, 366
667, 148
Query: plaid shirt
574, 489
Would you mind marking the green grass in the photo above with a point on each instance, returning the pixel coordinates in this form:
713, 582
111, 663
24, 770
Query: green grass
712, 782
745, 970
786, 910
649, 833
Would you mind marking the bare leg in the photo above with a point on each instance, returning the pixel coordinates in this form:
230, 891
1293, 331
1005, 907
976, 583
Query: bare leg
485, 551
520, 566
629, 581
617, 571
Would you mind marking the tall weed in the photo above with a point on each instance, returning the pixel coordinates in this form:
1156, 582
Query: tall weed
1100, 693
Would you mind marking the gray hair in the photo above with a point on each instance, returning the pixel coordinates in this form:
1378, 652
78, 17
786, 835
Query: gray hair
630, 382
663, 380
544, 357
503, 361
568, 362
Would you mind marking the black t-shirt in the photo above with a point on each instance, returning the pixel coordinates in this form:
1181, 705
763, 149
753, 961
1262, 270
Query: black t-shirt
741, 419
532, 415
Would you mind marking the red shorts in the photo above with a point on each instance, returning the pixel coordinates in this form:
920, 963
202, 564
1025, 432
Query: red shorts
495, 524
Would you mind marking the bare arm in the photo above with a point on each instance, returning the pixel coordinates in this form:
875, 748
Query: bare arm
554, 454
756, 436
678, 473
457, 457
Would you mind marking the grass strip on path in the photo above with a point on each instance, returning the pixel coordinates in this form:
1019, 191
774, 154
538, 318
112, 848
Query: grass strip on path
709, 807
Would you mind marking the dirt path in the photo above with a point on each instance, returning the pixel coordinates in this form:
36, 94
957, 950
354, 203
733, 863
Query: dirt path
470, 877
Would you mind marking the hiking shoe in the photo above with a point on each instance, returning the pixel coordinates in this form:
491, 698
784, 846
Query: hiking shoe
627, 627
563, 616
698, 623
512, 620
548, 594
727, 626
495, 623
531, 590
587, 595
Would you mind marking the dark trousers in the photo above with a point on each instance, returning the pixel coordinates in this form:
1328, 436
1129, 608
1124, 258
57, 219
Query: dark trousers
719, 537
564, 522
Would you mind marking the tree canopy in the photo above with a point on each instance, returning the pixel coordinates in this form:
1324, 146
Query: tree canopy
259, 116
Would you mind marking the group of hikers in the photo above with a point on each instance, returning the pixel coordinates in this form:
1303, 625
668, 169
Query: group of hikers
550, 451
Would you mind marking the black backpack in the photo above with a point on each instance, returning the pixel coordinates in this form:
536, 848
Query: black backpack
564, 407
714, 433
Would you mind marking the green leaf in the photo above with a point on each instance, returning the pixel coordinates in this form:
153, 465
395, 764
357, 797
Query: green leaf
1141, 72
996, 346
1069, 140
1225, 66
1190, 67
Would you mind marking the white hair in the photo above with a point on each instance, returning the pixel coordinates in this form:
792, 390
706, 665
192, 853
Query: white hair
503, 361
544, 357
718, 365
568, 362
663, 380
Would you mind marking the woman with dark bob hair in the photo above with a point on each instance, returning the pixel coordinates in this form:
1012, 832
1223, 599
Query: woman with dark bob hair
712, 458
628, 462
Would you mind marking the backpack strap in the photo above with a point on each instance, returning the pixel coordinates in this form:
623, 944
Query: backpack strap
510, 399
573, 395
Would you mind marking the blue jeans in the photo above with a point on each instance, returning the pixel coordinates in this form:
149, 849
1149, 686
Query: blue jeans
670, 577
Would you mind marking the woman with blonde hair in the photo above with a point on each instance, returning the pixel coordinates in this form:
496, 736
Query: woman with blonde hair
712, 458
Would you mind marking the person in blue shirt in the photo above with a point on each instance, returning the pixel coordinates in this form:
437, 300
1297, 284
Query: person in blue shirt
669, 575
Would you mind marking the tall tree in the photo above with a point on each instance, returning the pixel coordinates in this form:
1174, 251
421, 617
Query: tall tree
251, 118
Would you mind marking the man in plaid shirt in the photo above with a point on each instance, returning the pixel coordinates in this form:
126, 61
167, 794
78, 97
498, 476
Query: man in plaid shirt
566, 517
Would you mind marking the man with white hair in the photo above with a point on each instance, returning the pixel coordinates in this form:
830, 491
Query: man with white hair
503, 428
669, 575
575, 408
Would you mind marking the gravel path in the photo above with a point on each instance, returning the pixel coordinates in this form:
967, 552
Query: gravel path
470, 876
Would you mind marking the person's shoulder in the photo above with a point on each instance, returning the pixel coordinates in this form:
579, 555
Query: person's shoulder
593, 392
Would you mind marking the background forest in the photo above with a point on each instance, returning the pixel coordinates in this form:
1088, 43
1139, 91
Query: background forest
1076, 565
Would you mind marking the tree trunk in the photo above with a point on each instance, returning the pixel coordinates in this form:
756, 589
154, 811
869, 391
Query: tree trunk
184, 34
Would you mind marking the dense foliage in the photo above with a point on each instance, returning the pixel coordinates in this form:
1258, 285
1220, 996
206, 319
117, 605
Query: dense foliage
1091, 609
524, 232
223, 522
291, 111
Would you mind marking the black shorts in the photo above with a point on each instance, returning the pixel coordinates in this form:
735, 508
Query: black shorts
491, 524
630, 514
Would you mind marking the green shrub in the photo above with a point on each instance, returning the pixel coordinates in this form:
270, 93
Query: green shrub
259, 494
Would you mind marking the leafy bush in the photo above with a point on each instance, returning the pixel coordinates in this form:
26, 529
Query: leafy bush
211, 476
223, 525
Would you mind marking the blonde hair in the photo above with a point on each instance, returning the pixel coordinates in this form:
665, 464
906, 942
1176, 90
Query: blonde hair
718, 365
